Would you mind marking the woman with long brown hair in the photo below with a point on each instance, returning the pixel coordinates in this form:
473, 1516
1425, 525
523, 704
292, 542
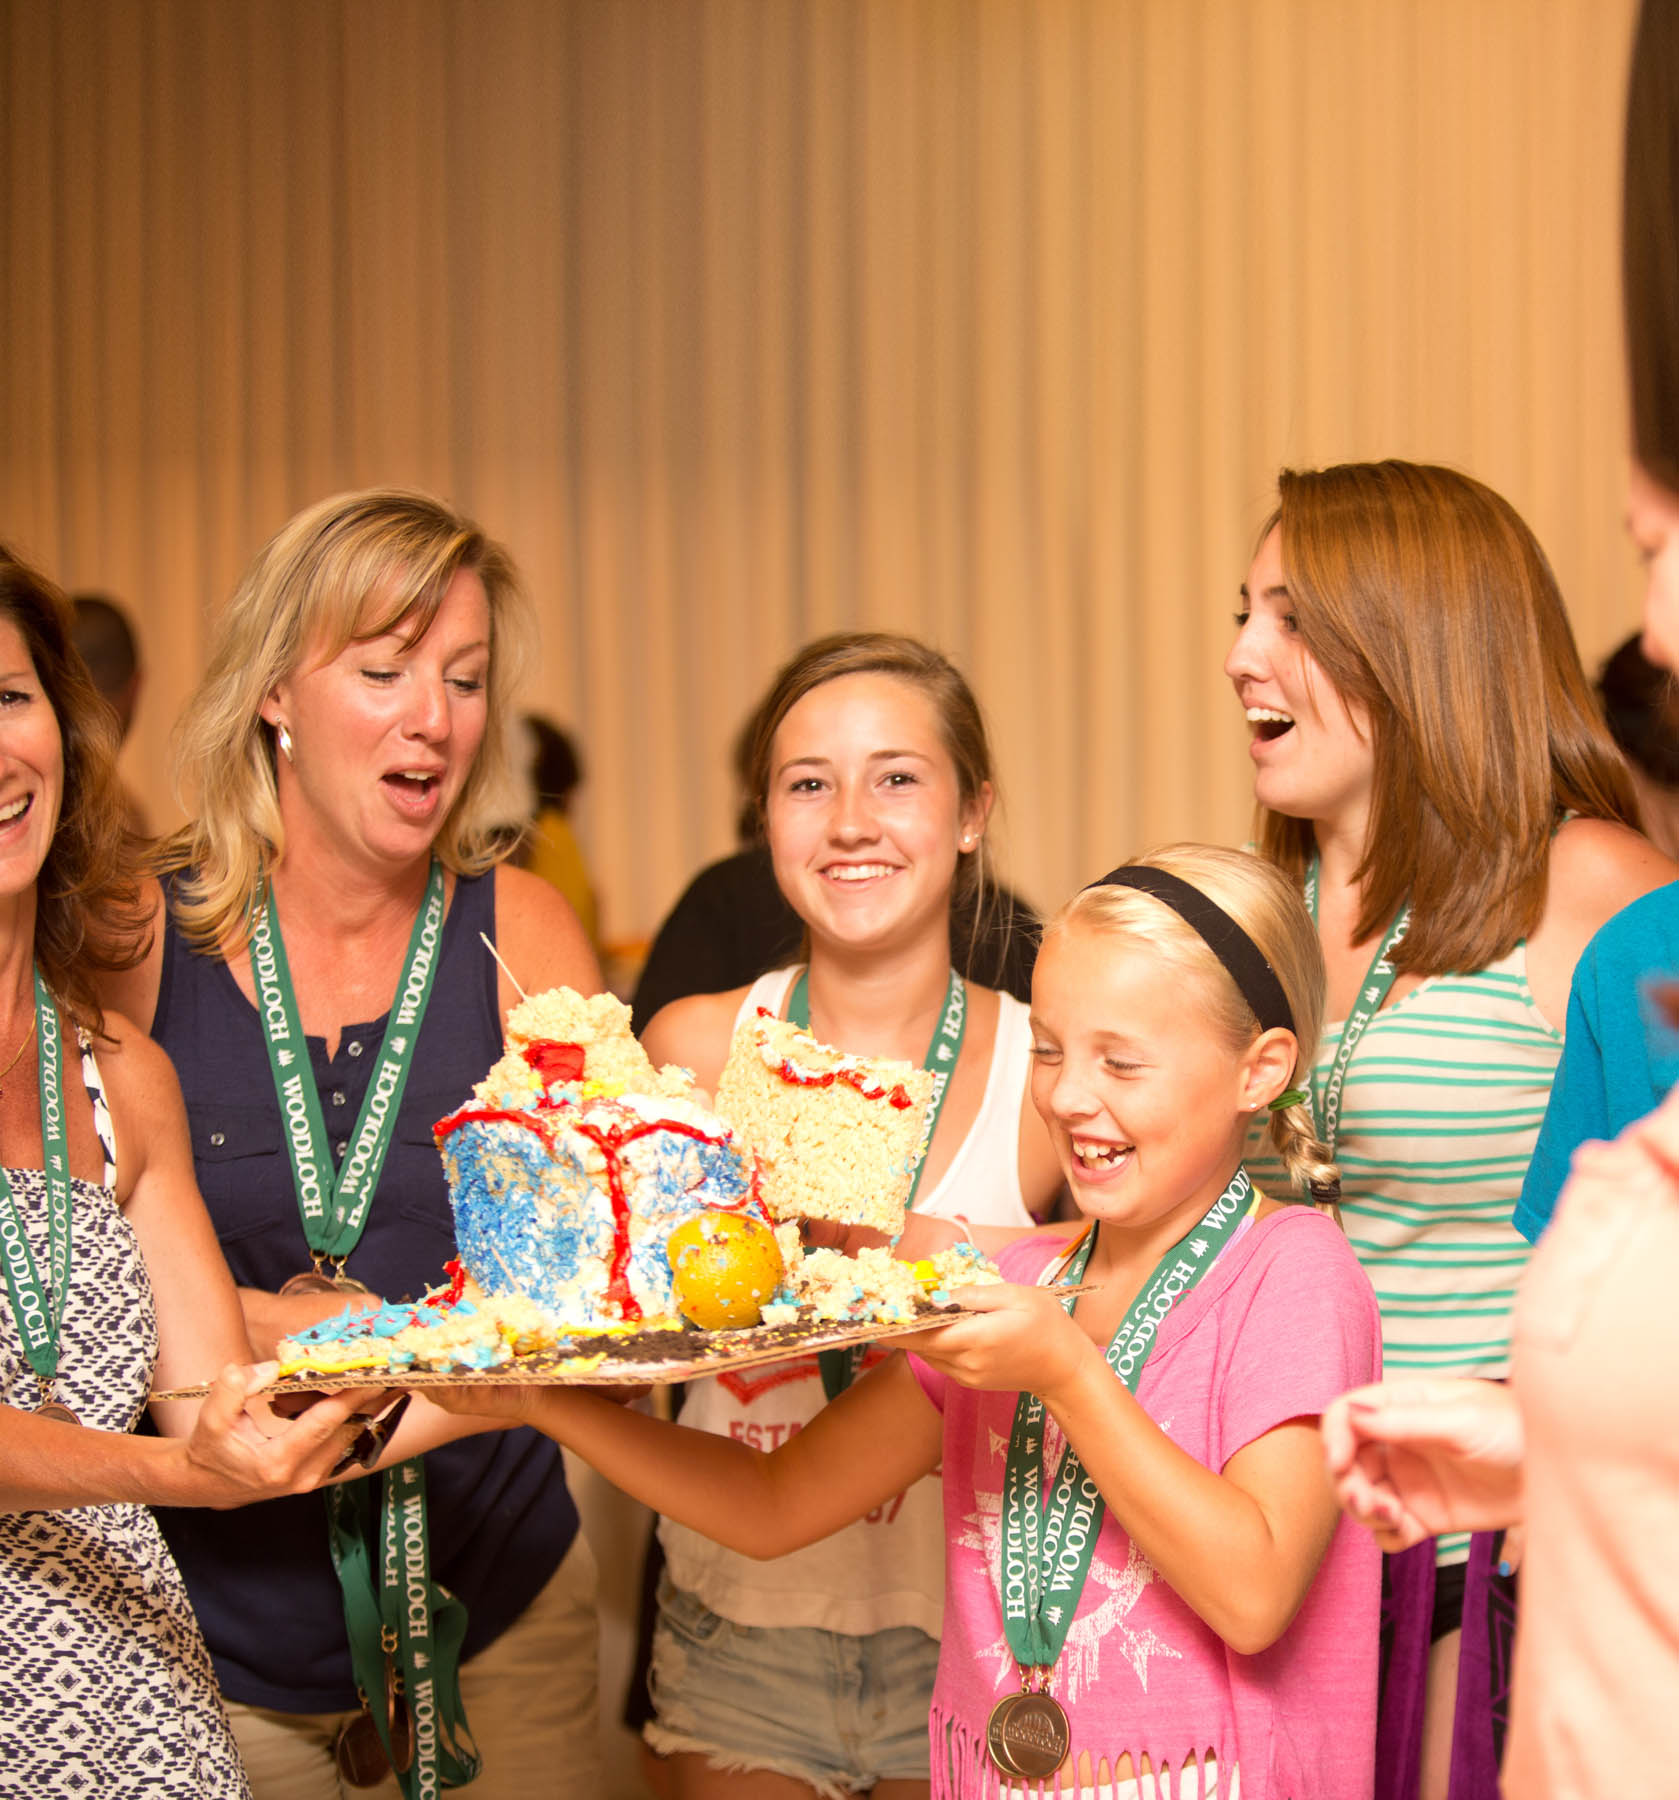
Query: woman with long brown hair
1580, 1447
114, 1285
872, 773
1429, 764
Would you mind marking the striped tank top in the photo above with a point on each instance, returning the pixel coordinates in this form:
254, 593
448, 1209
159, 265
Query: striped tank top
1442, 1103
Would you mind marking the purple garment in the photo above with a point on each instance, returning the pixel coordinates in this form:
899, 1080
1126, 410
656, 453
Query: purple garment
1483, 1681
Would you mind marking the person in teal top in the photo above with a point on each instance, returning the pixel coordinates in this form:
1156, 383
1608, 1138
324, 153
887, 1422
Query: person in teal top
1617, 1062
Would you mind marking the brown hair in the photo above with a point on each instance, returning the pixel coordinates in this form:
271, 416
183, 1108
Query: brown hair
1268, 907
346, 570
1650, 241
1427, 601
90, 914
961, 726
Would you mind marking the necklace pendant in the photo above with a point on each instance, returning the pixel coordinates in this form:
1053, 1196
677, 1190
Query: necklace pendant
318, 1280
311, 1281
1028, 1735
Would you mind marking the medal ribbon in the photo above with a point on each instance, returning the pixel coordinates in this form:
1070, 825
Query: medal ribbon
840, 1367
1048, 1541
414, 1621
40, 1314
1373, 990
334, 1217
399, 1615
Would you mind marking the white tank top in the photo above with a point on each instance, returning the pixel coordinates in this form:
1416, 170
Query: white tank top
886, 1570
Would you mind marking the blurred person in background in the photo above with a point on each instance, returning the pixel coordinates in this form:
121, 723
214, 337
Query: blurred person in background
1641, 707
550, 848
105, 637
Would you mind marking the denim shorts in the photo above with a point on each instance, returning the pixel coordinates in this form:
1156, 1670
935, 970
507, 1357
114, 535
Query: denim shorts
838, 1712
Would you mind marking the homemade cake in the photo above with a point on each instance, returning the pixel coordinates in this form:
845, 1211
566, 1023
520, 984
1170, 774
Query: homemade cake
836, 1136
594, 1193
576, 1159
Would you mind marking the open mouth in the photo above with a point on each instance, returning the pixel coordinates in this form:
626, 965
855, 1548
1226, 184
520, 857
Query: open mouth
1268, 724
412, 785
1098, 1157
15, 809
857, 871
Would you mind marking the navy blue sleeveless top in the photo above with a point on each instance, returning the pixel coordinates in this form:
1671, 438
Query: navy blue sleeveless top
260, 1577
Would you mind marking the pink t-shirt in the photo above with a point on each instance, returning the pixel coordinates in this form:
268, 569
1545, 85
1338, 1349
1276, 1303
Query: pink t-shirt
1283, 1323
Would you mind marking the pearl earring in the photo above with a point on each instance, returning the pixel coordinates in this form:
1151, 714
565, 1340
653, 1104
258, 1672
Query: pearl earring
283, 738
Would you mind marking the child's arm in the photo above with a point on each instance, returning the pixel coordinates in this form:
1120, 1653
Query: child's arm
870, 1444
1240, 1547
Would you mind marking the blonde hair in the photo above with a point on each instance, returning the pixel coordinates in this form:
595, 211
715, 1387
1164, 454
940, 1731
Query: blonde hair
1425, 599
1269, 909
344, 571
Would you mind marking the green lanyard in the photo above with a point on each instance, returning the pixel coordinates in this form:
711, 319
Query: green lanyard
1048, 1541
840, 1367
334, 1217
1373, 990
40, 1314
397, 1619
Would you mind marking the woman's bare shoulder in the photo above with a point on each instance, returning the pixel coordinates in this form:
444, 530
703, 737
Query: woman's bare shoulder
539, 936
1596, 868
695, 1032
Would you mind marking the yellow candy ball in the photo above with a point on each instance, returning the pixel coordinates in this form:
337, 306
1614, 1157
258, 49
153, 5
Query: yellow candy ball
723, 1267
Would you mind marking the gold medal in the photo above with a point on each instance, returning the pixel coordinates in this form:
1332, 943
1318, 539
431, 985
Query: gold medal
1028, 1735
319, 1281
56, 1409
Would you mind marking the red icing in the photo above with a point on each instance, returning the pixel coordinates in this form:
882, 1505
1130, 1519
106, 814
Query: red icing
555, 1062
455, 1269
611, 1141
853, 1078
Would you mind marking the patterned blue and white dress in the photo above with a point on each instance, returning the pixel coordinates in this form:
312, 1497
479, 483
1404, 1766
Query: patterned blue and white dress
106, 1688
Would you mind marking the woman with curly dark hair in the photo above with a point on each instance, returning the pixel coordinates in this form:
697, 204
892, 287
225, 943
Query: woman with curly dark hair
114, 1285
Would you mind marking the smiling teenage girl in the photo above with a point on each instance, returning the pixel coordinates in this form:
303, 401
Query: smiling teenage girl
1136, 1518
1429, 765
319, 983
872, 770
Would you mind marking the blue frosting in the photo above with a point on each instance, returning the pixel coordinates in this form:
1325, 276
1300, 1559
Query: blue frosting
533, 1222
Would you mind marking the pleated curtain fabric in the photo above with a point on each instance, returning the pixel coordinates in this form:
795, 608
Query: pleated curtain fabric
744, 320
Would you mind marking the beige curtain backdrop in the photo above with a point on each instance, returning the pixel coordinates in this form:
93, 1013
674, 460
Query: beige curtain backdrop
741, 320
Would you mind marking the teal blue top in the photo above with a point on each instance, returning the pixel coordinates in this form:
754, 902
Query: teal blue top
1618, 1063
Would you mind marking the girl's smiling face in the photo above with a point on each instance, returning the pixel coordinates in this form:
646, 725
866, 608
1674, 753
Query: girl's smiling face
1148, 1104
864, 810
1311, 748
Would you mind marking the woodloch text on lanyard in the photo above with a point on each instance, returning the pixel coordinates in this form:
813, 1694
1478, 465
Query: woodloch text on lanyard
1372, 992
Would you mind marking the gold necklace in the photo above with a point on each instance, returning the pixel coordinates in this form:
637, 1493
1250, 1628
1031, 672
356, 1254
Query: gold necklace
28, 1034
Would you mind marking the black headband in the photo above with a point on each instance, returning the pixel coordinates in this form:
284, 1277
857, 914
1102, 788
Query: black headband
1253, 975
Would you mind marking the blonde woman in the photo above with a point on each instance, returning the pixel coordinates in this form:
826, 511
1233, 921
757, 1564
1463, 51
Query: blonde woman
318, 979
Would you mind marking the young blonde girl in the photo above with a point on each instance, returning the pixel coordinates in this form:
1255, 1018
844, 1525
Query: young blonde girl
1221, 1637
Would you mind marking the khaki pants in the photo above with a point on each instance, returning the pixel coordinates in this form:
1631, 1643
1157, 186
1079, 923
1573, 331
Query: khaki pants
530, 1699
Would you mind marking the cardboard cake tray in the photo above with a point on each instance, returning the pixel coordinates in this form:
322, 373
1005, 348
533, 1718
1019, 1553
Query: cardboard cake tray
621, 1359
